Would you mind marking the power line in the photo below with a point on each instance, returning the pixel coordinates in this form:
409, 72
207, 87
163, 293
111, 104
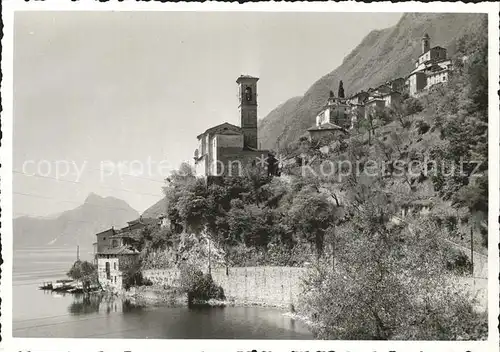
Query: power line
43, 176
130, 175
68, 201
88, 168
78, 182
442, 238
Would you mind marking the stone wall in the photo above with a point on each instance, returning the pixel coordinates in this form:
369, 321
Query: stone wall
267, 285
260, 285
167, 277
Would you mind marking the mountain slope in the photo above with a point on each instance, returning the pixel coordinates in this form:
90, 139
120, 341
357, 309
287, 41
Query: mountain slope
274, 120
73, 227
381, 55
156, 209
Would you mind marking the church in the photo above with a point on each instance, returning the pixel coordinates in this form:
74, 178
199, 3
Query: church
431, 67
226, 149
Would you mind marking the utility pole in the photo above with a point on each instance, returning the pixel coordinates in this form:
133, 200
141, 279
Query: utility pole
333, 253
472, 251
209, 257
77, 253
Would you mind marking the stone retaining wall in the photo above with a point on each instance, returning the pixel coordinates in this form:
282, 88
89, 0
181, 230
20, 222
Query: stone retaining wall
264, 285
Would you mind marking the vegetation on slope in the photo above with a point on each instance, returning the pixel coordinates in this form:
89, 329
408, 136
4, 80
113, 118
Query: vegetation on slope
375, 273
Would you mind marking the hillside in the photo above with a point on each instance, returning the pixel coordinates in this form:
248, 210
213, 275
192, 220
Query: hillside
156, 209
75, 226
274, 120
381, 55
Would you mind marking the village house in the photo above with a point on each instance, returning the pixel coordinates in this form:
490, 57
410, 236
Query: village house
431, 67
374, 105
336, 111
116, 247
225, 149
332, 120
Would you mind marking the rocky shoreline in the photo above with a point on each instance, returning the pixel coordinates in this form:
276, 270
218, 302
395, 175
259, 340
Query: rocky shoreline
151, 295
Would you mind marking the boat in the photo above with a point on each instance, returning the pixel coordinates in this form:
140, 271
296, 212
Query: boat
46, 286
62, 287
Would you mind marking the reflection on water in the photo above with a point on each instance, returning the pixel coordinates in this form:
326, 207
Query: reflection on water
101, 303
105, 316
99, 315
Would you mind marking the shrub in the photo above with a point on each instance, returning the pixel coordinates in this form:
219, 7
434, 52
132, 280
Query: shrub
422, 127
199, 286
85, 272
132, 274
457, 261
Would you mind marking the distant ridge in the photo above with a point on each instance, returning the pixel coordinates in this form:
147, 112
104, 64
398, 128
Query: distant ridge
73, 227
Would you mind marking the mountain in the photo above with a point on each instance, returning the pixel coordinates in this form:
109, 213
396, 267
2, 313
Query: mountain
381, 55
274, 120
156, 209
73, 227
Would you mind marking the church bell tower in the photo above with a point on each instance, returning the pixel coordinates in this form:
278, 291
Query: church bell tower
426, 43
247, 97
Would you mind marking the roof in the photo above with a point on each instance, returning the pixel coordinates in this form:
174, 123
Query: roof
390, 93
135, 233
212, 129
433, 48
326, 127
246, 77
141, 220
123, 250
358, 93
374, 99
108, 231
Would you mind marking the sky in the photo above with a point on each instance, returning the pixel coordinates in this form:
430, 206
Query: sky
110, 102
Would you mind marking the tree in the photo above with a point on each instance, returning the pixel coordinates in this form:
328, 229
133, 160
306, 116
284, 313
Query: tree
341, 93
85, 272
389, 281
131, 267
310, 215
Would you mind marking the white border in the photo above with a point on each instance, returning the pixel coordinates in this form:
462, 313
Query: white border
88, 345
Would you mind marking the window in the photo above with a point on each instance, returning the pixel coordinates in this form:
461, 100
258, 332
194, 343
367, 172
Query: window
108, 271
248, 94
114, 265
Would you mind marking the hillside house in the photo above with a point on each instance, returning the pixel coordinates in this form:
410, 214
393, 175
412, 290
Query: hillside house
325, 130
116, 247
336, 111
225, 149
431, 67
373, 106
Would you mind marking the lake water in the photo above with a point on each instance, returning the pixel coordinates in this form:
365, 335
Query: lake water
39, 313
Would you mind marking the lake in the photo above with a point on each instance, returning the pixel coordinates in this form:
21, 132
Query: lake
39, 313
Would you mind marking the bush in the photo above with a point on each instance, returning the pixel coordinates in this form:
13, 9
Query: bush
457, 261
394, 308
422, 127
199, 286
132, 274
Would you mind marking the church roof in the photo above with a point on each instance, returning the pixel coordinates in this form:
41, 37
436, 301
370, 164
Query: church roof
227, 125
